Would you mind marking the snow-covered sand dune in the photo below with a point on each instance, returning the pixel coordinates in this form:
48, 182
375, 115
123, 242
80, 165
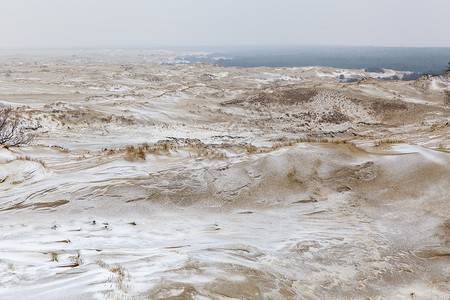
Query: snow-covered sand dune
156, 182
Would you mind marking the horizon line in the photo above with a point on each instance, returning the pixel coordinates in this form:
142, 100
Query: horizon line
205, 47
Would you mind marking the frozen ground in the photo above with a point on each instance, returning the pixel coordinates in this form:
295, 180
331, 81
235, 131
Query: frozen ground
149, 181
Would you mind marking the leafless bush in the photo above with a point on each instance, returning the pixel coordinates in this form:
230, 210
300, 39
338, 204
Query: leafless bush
12, 132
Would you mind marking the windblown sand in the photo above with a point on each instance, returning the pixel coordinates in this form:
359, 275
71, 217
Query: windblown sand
150, 181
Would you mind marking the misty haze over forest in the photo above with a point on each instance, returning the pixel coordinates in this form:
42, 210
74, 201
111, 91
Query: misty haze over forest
402, 35
431, 60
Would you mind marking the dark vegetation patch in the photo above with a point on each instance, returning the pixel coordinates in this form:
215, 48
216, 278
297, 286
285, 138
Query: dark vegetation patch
411, 76
419, 60
447, 98
375, 70
334, 117
286, 97
87, 116
385, 106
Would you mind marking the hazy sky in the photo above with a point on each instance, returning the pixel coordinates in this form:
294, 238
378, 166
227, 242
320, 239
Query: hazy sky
134, 23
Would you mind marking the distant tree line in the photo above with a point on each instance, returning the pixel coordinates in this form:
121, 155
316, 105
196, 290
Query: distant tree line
417, 60
411, 76
405, 77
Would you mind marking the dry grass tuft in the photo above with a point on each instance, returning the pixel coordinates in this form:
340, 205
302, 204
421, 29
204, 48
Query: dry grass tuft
77, 260
311, 140
134, 154
121, 279
54, 256
388, 141
33, 160
251, 149
102, 264
27, 158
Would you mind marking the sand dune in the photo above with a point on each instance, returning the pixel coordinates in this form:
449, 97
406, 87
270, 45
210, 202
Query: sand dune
198, 181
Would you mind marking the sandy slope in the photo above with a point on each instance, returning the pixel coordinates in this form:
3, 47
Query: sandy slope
236, 183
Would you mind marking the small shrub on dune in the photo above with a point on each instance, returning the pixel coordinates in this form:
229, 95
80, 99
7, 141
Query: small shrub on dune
12, 132
251, 149
133, 153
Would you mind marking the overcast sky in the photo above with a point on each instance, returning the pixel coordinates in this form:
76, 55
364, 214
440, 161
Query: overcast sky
155, 23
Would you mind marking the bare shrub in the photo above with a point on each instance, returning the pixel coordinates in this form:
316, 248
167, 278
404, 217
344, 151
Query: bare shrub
12, 132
